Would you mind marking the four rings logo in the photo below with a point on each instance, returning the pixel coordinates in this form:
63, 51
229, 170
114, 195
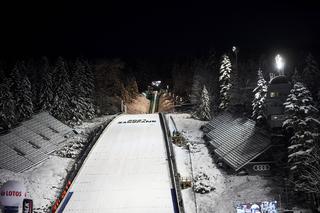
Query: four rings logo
261, 167
137, 121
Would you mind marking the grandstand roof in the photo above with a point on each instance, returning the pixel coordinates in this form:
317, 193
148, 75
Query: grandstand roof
237, 141
31, 142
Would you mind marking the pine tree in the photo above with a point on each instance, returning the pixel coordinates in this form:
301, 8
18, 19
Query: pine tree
89, 88
196, 89
132, 89
302, 124
125, 94
225, 84
108, 85
260, 93
296, 77
22, 93
82, 106
24, 104
16, 78
311, 172
34, 70
203, 110
46, 84
78, 102
311, 75
7, 105
235, 94
62, 92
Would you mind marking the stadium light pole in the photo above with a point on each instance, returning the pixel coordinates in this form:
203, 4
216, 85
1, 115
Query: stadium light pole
236, 50
279, 64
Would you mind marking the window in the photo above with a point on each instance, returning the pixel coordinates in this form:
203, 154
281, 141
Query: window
274, 94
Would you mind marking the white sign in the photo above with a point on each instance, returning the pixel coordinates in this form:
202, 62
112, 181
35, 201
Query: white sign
12, 193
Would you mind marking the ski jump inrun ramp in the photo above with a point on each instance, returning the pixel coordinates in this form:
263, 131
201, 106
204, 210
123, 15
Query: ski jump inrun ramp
127, 171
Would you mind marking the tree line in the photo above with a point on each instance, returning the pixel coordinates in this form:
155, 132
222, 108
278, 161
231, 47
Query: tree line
71, 90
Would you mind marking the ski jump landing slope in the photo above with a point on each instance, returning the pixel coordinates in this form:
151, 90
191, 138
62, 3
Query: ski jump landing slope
126, 171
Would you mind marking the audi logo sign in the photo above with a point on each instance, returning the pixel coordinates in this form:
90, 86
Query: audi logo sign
261, 167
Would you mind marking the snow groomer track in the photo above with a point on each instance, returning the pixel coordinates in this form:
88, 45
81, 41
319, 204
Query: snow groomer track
127, 171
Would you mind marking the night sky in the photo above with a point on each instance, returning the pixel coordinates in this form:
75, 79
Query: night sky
156, 30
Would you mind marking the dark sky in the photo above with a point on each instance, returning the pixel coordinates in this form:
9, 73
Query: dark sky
159, 30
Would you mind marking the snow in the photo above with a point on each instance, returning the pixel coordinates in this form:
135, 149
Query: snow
202, 183
126, 171
203, 110
45, 181
228, 189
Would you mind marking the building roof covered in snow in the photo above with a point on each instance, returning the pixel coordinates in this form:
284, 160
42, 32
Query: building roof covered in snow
31, 142
236, 140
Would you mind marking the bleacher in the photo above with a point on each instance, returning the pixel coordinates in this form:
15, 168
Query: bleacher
32, 141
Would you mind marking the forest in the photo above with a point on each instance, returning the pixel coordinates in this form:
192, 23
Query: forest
79, 89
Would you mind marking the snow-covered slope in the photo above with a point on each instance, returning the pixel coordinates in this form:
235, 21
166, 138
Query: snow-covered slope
45, 181
126, 171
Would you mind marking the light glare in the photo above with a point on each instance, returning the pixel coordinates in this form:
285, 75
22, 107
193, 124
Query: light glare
279, 62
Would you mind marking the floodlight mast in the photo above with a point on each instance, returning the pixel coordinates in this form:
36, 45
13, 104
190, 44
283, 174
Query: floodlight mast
236, 50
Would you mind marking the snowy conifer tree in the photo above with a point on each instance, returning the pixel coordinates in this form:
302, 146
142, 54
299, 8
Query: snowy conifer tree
302, 124
7, 105
82, 92
132, 89
77, 105
196, 89
236, 98
16, 79
46, 90
296, 77
225, 84
311, 75
62, 92
89, 88
311, 172
23, 95
203, 110
260, 93
21, 88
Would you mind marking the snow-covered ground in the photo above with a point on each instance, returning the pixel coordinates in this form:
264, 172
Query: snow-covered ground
126, 171
227, 189
45, 181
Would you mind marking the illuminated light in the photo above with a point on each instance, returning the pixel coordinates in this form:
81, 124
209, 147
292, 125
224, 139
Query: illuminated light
279, 62
277, 117
156, 83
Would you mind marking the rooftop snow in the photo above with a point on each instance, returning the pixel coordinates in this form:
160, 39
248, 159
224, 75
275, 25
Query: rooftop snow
31, 142
237, 141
